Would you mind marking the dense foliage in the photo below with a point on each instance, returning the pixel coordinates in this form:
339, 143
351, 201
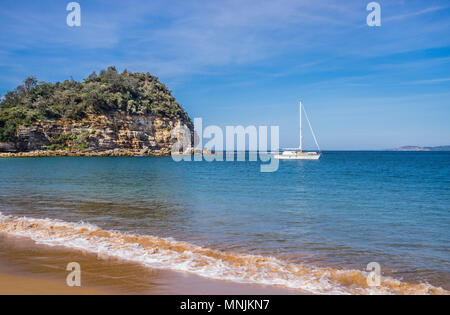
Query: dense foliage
110, 91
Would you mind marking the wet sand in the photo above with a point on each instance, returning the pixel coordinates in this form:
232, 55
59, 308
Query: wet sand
29, 268
19, 285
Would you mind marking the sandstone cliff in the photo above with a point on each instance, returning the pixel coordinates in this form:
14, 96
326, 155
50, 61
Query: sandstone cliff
114, 134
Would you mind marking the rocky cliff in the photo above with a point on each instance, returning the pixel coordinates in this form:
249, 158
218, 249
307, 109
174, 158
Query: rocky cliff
113, 134
108, 114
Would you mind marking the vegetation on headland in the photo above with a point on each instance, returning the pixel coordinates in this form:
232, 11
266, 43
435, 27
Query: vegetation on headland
61, 141
103, 93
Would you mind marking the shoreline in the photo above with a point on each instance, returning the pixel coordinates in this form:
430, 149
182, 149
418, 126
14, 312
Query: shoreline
111, 153
172, 262
157, 153
30, 268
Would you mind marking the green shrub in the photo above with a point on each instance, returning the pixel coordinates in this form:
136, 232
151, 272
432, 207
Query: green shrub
108, 92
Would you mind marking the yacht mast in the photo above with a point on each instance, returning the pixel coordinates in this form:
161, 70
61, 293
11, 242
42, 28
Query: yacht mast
301, 137
310, 127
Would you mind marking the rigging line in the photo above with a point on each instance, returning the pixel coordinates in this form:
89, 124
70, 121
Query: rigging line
310, 127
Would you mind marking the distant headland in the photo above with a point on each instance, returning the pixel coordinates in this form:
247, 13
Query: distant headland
109, 113
417, 148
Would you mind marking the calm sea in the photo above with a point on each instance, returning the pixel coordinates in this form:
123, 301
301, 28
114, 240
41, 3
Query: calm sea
326, 218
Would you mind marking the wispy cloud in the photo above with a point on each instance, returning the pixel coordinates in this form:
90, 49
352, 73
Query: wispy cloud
415, 13
431, 81
195, 37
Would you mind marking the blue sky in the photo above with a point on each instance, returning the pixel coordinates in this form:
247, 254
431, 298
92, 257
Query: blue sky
248, 62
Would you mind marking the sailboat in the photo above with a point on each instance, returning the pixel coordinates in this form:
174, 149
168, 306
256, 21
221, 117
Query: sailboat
298, 153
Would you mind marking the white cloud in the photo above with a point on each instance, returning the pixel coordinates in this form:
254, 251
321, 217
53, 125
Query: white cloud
431, 81
415, 13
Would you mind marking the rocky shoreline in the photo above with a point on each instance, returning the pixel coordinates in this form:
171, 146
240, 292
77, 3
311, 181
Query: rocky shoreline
61, 153
112, 153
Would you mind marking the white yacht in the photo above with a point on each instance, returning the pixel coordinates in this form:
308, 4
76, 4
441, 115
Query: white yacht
299, 154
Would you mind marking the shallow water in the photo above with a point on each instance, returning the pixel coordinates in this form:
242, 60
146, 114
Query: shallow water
342, 212
39, 266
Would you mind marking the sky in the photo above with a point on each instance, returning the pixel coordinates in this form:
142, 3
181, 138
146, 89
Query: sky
249, 62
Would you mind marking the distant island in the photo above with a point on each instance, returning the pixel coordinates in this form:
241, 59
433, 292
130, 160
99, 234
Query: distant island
109, 113
416, 148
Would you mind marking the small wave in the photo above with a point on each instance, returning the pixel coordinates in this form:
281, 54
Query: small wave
166, 253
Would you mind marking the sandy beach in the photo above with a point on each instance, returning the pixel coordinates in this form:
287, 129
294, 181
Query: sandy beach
29, 268
19, 285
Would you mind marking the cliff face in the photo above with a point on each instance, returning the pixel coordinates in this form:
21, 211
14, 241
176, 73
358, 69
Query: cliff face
113, 134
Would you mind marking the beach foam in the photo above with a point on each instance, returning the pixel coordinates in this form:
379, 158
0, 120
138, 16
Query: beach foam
166, 253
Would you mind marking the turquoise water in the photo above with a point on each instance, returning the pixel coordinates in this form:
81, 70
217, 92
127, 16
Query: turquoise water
346, 210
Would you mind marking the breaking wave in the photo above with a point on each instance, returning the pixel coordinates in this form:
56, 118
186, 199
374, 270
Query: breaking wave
164, 253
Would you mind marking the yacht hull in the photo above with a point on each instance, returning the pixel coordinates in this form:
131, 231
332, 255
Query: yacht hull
298, 157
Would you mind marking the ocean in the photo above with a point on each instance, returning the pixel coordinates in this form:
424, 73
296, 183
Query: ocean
312, 225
